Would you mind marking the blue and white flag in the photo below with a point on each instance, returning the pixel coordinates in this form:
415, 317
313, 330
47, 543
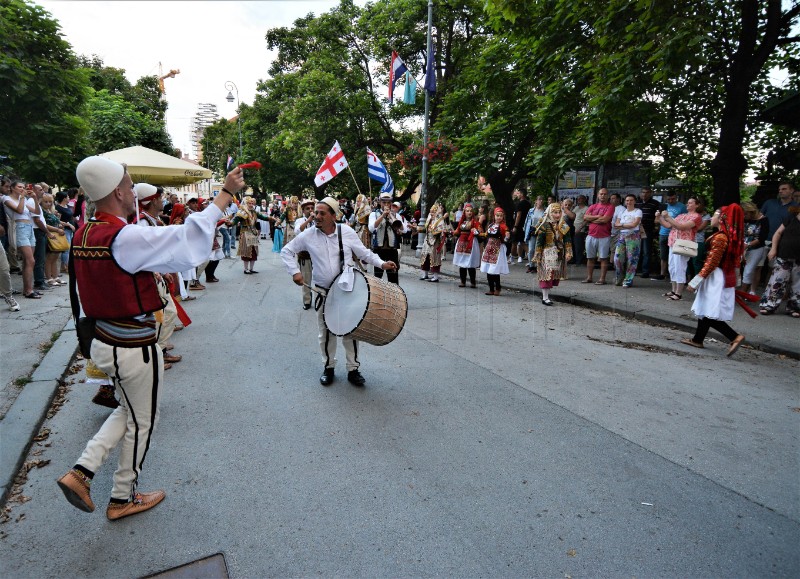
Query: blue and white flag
378, 172
230, 162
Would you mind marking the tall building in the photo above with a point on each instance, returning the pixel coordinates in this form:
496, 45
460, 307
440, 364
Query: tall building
206, 115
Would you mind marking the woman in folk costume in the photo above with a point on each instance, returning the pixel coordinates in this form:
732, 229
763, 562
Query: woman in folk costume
177, 217
467, 254
288, 218
361, 219
493, 261
277, 230
553, 250
247, 219
431, 254
716, 283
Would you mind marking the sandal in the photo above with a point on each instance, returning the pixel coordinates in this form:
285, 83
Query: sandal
689, 342
669, 294
599, 283
33, 296
766, 311
675, 297
794, 314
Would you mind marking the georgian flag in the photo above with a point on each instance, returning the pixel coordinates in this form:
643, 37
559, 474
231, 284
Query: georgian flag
334, 162
377, 172
397, 68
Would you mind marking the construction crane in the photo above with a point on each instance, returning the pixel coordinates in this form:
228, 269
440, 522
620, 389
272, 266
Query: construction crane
162, 76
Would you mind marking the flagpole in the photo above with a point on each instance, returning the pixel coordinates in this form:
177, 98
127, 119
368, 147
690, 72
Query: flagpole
423, 197
354, 179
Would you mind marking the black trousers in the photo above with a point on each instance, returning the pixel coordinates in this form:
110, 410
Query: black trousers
211, 268
462, 273
39, 256
494, 281
704, 324
388, 254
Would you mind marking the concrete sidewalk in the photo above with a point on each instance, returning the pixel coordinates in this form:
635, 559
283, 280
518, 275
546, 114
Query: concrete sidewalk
644, 301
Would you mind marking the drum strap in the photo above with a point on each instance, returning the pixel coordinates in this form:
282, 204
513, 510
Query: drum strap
341, 247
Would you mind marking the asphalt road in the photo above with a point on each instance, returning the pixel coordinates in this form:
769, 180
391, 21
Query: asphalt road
495, 437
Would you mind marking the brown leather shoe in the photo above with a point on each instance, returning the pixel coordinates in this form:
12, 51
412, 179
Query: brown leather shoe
169, 347
197, 286
167, 365
105, 397
169, 358
141, 502
76, 490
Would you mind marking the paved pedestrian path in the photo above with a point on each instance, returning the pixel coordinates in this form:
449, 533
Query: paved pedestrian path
37, 344
777, 334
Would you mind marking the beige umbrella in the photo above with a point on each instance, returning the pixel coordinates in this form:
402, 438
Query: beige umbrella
149, 166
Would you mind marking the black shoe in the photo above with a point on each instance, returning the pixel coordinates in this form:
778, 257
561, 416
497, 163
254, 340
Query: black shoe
547, 302
355, 378
658, 277
327, 377
644, 275
306, 306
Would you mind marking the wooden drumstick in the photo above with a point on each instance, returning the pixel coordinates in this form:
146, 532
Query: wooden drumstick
315, 290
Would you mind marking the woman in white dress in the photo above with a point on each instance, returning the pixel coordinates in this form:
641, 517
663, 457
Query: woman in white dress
493, 261
467, 254
716, 283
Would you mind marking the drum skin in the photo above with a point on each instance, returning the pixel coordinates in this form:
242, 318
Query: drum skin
374, 312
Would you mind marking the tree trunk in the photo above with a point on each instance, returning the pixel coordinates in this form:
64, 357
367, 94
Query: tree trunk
729, 163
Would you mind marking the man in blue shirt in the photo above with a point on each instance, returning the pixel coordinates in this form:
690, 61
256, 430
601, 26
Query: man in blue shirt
777, 210
674, 208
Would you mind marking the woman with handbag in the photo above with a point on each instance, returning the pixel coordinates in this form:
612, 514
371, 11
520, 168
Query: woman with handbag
55, 245
716, 283
682, 245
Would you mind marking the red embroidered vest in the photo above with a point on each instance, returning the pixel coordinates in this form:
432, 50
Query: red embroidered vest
106, 290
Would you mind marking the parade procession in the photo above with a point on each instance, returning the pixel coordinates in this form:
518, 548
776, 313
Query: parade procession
438, 289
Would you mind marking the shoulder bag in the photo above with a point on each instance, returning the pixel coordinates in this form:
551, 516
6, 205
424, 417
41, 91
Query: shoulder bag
685, 247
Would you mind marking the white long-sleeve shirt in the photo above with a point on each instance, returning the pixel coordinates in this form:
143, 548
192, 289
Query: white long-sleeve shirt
167, 249
324, 251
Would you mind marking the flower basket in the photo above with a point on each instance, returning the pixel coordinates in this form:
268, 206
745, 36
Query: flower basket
438, 151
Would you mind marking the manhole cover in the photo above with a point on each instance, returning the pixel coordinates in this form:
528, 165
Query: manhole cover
212, 567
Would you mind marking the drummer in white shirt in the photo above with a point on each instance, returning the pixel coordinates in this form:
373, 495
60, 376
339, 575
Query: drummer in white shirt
322, 243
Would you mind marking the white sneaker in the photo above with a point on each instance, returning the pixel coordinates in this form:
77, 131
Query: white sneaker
12, 303
519, 260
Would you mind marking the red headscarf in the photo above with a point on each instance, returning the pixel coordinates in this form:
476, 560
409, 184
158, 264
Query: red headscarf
503, 226
731, 223
178, 211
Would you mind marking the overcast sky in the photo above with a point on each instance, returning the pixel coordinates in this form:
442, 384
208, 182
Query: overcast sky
209, 42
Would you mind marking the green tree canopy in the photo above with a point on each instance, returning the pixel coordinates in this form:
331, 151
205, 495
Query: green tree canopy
43, 91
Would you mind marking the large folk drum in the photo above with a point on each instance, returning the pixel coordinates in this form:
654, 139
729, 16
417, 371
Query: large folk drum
374, 312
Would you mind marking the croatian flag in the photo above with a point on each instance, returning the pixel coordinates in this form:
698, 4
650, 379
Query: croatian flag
377, 172
397, 68
230, 162
334, 162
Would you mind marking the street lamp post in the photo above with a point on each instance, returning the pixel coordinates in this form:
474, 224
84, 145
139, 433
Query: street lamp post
230, 86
